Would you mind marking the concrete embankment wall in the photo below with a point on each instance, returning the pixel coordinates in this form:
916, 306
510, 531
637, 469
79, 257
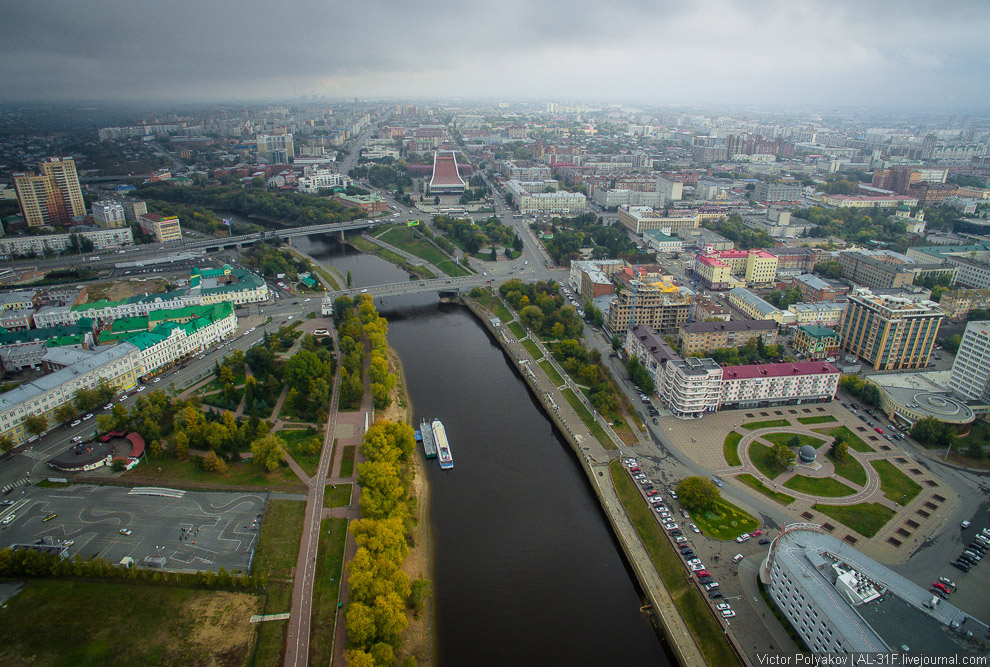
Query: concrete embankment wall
681, 642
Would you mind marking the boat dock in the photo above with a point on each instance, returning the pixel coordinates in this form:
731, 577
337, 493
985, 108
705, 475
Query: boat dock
426, 435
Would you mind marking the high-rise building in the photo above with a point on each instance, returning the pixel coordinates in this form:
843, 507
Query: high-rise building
62, 170
109, 214
40, 202
890, 333
971, 368
276, 146
659, 305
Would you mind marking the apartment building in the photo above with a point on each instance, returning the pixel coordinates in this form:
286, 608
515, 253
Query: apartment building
697, 338
794, 261
825, 313
713, 273
62, 173
890, 333
651, 349
660, 305
530, 198
971, 368
109, 214
640, 219
163, 229
777, 192
958, 303
814, 288
756, 307
691, 387
592, 279
764, 385
26, 246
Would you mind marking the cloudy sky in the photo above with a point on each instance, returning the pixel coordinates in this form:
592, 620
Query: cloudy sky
875, 53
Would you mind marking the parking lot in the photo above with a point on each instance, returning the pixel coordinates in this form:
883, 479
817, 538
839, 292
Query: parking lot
191, 530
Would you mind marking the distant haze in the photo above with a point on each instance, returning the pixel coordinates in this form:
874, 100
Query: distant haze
788, 52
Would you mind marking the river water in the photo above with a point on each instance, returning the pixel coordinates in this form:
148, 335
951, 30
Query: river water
527, 571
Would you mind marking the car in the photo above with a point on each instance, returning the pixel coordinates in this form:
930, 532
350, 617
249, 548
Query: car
651, 492
959, 564
715, 595
639, 475
722, 606
108, 406
941, 587
687, 554
680, 538
68, 543
7, 519
364, 291
670, 526
695, 567
878, 430
78, 438
673, 494
705, 580
764, 541
694, 528
756, 533
717, 482
737, 558
655, 421
661, 509
728, 613
948, 582
125, 531
742, 538
76, 423
141, 388
676, 532
157, 380
939, 592
635, 469
702, 573
966, 524
49, 517
646, 484
712, 586
88, 417
6, 503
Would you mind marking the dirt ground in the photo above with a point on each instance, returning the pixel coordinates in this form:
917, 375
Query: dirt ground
223, 626
122, 289
418, 638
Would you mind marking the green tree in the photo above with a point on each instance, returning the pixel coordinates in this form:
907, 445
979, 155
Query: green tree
213, 463
698, 493
65, 412
871, 394
780, 456
181, 446
118, 465
794, 441
155, 449
350, 280
36, 424
6, 443
269, 452
839, 450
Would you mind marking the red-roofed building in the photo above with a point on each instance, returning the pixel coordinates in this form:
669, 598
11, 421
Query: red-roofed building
446, 176
763, 385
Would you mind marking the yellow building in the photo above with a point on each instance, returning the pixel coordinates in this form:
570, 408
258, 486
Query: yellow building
34, 193
761, 268
62, 171
163, 229
891, 333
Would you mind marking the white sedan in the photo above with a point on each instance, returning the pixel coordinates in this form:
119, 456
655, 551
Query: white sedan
696, 567
670, 526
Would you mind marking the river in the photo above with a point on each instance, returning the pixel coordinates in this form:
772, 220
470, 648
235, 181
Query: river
526, 569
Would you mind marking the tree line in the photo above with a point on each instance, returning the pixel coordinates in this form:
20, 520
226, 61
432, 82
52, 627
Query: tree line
542, 308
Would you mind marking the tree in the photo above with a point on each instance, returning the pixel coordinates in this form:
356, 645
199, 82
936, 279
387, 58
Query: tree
155, 449
269, 452
780, 456
118, 465
839, 450
361, 626
213, 463
6, 443
36, 424
65, 412
181, 446
871, 394
698, 493
794, 441
226, 375
350, 280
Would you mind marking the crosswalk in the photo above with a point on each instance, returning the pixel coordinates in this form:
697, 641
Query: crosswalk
10, 487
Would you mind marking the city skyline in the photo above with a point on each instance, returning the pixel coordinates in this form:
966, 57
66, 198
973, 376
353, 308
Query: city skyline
713, 52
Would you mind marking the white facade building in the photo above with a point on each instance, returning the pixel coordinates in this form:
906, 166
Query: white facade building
691, 387
545, 203
321, 179
101, 238
109, 214
971, 368
763, 385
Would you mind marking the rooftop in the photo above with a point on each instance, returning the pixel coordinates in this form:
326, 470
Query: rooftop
817, 331
732, 325
778, 370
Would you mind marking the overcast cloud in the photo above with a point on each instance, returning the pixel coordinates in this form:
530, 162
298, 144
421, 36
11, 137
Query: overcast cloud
836, 52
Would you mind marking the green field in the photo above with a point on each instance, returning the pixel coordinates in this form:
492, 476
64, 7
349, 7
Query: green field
517, 329
850, 438
756, 484
588, 419
329, 569
337, 495
785, 438
297, 442
277, 554
367, 246
187, 474
758, 455
551, 372
730, 449
895, 484
347, 461
412, 242
769, 423
484, 299
75, 623
451, 269
533, 350
725, 522
826, 487
501, 312
687, 598
820, 419
865, 518
849, 468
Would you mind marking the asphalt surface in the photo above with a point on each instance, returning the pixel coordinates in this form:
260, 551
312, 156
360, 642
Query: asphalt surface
192, 530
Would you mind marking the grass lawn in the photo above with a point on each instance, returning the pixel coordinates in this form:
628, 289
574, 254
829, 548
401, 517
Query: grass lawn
758, 455
58, 622
501, 311
588, 419
389, 256
686, 596
769, 423
329, 568
730, 449
517, 329
551, 372
850, 438
725, 522
484, 299
533, 350
414, 244
825, 487
756, 484
170, 472
277, 553
338, 496
451, 269
327, 276
347, 461
297, 442
785, 438
849, 468
819, 419
865, 518
895, 484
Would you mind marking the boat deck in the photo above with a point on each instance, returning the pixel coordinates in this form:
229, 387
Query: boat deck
429, 446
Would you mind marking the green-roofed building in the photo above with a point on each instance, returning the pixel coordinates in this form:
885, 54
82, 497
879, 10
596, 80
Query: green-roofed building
43, 334
816, 341
62, 341
130, 324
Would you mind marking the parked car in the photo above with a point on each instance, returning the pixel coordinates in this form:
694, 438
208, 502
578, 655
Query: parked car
737, 558
76, 423
125, 531
703, 573
728, 613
